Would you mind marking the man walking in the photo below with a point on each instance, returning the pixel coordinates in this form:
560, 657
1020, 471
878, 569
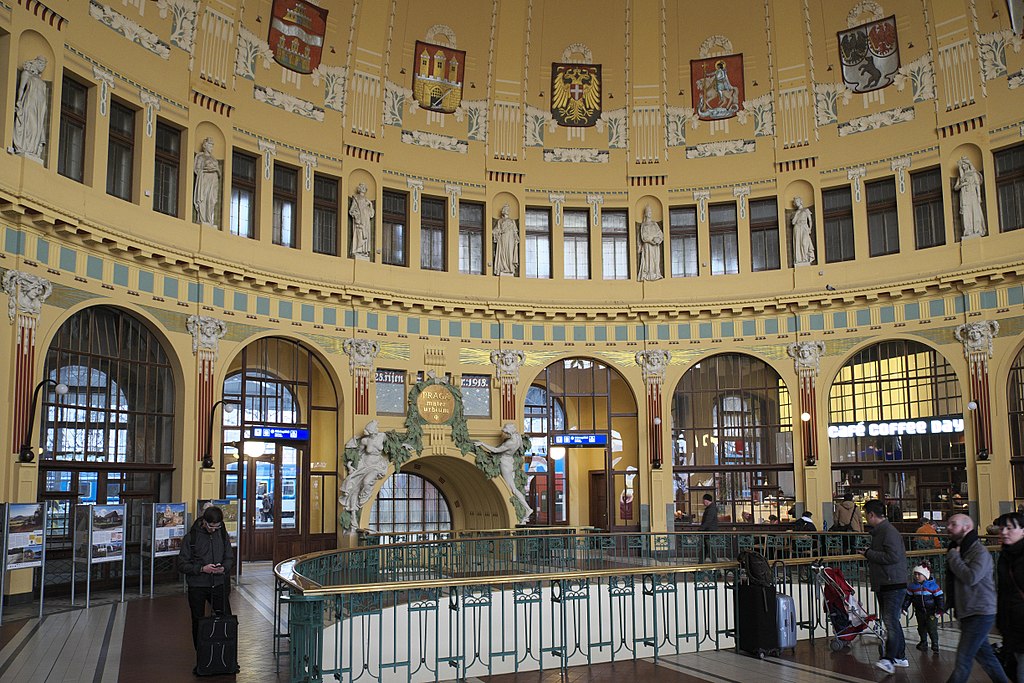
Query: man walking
972, 593
708, 522
887, 564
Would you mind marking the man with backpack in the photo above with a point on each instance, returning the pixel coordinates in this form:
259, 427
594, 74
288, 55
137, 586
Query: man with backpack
207, 559
887, 564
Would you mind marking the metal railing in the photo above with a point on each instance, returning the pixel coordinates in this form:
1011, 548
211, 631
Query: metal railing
452, 608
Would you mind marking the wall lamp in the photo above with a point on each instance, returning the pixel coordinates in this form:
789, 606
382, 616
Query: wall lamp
26, 453
208, 456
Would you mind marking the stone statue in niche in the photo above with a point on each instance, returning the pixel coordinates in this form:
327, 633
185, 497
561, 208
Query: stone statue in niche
651, 238
803, 241
506, 244
206, 190
362, 213
30, 111
364, 471
971, 212
508, 450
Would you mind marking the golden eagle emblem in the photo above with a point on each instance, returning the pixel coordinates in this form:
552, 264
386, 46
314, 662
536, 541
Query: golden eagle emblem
576, 94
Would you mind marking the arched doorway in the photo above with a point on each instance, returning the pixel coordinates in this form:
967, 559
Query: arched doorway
732, 430
896, 431
1015, 408
280, 453
110, 439
409, 507
583, 461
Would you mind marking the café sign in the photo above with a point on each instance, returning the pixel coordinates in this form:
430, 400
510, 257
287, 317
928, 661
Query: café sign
436, 404
936, 425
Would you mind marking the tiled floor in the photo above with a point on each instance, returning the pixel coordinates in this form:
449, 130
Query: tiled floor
149, 641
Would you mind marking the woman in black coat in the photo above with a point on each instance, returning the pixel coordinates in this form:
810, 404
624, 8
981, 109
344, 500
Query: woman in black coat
1010, 600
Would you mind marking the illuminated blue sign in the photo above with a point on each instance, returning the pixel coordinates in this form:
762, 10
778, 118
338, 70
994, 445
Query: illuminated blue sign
280, 433
581, 439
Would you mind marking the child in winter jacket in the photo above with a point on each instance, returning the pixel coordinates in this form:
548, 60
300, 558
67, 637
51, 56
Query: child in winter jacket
928, 601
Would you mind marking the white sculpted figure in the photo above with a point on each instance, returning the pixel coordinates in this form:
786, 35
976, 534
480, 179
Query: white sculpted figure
508, 449
651, 238
362, 214
206, 332
803, 243
30, 111
506, 244
26, 293
370, 466
361, 352
969, 185
206, 191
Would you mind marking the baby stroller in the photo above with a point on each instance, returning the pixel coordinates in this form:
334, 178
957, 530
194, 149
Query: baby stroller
845, 611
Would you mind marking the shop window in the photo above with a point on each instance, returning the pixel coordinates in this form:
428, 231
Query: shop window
926, 191
883, 226
538, 243
408, 508
764, 235
167, 169
615, 245
121, 151
74, 100
433, 223
285, 208
683, 237
395, 219
471, 238
325, 214
837, 214
1009, 165
576, 230
243, 194
722, 232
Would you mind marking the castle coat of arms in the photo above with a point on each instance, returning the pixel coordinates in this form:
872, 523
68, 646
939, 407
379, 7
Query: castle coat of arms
870, 55
437, 79
576, 94
716, 84
297, 34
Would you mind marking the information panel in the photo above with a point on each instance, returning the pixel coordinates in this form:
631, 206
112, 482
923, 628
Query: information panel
107, 533
229, 506
168, 528
25, 524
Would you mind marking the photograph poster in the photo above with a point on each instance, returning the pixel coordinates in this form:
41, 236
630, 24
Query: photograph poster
229, 507
107, 533
168, 528
25, 523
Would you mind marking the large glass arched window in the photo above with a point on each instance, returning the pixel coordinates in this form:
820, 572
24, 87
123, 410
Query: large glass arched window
408, 506
896, 431
1015, 407
733, 438
111, 438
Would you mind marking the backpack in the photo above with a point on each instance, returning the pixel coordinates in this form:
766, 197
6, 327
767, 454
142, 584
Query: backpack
756, 568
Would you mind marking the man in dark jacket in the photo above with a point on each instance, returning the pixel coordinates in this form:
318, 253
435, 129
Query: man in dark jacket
206, 559
887, 564
708, 522
972, 593
1010, 601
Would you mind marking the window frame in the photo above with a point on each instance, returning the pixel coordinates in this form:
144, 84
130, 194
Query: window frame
470, 235
326, 239
76, 120
680, 236
932, 234
838, 234
576, 263
761, 234
395, 224
163, 158
615, 238
884, 239
250, 187
121, 146
538, 241
719, 242
1012, 182
433, 229
285, 197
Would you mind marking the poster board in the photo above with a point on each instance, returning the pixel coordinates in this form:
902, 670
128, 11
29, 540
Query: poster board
167, 527
26, 524
107, 538
229, 507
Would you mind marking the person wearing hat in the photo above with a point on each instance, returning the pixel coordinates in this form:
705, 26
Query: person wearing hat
924, 594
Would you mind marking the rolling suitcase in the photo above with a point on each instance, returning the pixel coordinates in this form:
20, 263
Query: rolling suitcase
217, 650
786, 619
757, 626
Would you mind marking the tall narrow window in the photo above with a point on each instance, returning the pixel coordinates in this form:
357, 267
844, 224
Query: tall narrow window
74, 98
764, 235
167, 169
615, 245
286, 199
725, 258
683, 235
243, 194
393, 225
1010, 187
883, 225
471, 238
538, 243
575, 227
838, 217
325, 214
121, 151
433, 219
926, 189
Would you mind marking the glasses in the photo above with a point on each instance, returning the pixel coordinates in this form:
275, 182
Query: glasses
212, 527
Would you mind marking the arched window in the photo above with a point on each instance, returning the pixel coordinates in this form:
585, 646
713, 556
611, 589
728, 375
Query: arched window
1015, 406
409, 504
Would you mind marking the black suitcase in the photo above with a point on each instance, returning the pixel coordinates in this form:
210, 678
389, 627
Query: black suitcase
217, 650
757, 624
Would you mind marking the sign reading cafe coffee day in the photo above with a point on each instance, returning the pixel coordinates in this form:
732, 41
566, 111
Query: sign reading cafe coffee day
937, 425
436, 404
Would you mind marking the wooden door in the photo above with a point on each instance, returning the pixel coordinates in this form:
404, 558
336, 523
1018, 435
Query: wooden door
599, 500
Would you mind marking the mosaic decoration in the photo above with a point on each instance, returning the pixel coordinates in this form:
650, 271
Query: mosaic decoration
437, 79
716, 85
297, 34
576, 94
870, 55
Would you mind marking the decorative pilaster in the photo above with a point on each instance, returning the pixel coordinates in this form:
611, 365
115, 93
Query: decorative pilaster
856, 175
416, 187
269, 151
151, 101
206, 335
106, 81
308, 162
507, 363
702, 197
557, 200
741, 193
654, 365
807, 363
977, 340
453, 192
595, 201
26, 294
361, 355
